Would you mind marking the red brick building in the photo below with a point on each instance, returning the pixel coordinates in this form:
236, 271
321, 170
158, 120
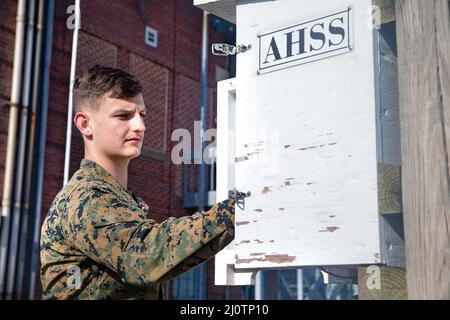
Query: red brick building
112, 34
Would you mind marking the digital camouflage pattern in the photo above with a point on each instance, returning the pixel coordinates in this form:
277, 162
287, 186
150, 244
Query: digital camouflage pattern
97, 242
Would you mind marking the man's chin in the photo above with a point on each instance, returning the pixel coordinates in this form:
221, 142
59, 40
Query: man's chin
128, 155
135, 154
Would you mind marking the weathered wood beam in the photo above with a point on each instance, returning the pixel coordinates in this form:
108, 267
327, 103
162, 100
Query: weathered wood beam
387, 8
389, 189
423, 37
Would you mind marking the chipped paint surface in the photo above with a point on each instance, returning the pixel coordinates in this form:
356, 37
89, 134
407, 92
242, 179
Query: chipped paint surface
330, 229
257, 254
240, 159
250, 154
274, 258
244, 261
266, 190
280, 258
318, 146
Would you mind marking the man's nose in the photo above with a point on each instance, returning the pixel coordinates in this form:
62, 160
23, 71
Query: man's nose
138, 123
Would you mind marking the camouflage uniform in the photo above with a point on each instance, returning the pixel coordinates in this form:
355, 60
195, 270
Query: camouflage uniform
97, 242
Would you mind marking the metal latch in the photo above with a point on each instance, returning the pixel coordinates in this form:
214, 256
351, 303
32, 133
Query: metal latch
223, 49
238, 197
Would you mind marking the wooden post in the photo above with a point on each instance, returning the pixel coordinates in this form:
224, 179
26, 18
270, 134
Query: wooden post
423, 37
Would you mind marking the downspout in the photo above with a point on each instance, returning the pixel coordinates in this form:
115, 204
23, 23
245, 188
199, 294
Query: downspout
72, 80
167, 288
29, 163
299, 284
40, 152
18, 190
11, 144
259, 286
203, 106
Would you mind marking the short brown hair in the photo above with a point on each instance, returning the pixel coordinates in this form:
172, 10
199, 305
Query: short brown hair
94, 83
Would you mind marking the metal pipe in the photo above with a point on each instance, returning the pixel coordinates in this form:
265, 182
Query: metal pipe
40, 150
11, 144
29, 163
299, 284
203, 106
72, 80
20, 160
259, 286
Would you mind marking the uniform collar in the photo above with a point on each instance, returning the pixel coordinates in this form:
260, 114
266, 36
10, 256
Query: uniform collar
97, 172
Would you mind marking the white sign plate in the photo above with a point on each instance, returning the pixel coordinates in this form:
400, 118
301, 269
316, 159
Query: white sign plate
312, 40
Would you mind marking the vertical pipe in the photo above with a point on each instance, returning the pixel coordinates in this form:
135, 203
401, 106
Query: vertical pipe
203, 106
40, 149
72, 80
11, 144
20, 160
299, 284
259, 290
29, 163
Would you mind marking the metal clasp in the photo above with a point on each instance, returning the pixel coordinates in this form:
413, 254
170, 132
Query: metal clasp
239, 197
223, 49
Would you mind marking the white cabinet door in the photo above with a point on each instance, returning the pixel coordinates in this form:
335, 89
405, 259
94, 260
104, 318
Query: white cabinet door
305, 135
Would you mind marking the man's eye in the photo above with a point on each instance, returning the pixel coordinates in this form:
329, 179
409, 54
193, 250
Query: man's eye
122, 116
143, 115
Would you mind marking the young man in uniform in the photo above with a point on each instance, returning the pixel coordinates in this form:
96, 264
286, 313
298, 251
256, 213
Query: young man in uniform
97, 241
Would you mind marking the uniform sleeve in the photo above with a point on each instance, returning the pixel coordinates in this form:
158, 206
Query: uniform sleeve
141, 251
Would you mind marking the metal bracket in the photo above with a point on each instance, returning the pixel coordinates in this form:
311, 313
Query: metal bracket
239, 197
223, 49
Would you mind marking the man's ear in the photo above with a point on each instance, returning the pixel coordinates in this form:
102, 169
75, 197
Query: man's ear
83, 124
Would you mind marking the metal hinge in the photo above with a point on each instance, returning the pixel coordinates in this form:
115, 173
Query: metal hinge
223, 49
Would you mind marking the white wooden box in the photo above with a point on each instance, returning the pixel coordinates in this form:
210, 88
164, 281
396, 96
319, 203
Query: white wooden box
314, 138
